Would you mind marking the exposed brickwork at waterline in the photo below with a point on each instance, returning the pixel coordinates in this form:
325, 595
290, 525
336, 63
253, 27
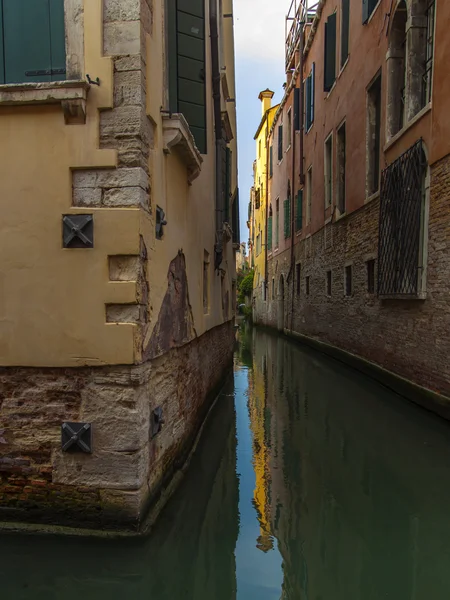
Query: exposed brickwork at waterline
408, 337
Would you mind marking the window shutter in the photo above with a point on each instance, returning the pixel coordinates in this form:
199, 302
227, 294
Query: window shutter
280, 142
297, 109
345, 30
227, 185
271, 161
308, 102
269, 234
26, 27
58, 40
365, 11
299, 211
313, 88
2, 55
330, 53
189, 50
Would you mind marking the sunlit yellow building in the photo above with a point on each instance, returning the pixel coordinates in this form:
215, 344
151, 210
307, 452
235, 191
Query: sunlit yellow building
259, 200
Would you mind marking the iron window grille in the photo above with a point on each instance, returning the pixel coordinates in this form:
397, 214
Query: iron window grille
401, 225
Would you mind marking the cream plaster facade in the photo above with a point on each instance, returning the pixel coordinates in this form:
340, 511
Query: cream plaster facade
114, 152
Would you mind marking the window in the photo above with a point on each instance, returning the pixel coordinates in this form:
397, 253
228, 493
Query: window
403, 229
328, 283
309, 98
186, 58
271, 161
289, 129
368, 6
269, 230
257, 198
396, 69
258, 244
280, 142
287, 218
373, 137
330, 53
205, 282
307, 284
328, 165
259, 149
345, 30
227, 167
298, 272
370, 265
277, 223
299, 211
32, 41
309, 180
348, 280
273, 288
341, 168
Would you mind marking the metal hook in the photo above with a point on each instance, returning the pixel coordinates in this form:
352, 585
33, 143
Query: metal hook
92, 81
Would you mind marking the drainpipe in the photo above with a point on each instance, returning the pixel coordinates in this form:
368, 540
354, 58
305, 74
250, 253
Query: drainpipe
219, 141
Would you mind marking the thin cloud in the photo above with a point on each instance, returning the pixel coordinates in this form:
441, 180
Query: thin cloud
260, 29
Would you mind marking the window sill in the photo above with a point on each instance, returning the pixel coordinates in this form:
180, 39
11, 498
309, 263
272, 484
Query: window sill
372, 197
415, 297
176, 134
425, 110
287, 149
344, 66
373, 12
340, 216
328, 94
72, 95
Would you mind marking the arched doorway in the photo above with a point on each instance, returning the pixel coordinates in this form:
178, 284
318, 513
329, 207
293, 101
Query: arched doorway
280, 323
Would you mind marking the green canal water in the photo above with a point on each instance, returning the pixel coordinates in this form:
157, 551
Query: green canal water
311, 482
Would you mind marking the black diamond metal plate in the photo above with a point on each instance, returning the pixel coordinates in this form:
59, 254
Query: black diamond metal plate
78, 231
76, 437
401, 207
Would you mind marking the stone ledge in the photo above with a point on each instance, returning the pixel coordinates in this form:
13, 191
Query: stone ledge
424, 397
72, 95
177, 135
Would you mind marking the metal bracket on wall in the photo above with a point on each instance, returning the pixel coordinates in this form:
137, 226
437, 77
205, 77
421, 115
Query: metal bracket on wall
78, 231
76, 437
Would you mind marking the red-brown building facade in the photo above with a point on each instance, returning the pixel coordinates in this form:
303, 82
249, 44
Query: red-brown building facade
358, 231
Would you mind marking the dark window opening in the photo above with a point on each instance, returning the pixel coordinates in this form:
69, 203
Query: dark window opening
368, 8
330, 53
309, 98
280, 142
307, 284
370, 276
299, 211
329, 283
348, 281
298, 271
396, 68
345, 31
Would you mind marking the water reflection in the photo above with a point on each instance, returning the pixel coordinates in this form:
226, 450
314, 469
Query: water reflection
311, 482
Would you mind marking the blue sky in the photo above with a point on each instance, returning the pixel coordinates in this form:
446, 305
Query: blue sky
259, 38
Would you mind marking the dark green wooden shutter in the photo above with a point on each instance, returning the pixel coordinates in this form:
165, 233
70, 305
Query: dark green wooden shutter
313, 90
2, 55
365, 11
58, 40
271, 161
345, 30
308, 102
330, 53
188, 54
280, 142
227, 184
26, 27
299, 211
269, 234
34, 40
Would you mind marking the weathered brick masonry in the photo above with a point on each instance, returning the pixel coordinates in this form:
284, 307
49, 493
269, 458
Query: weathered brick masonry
111, 487
408, 337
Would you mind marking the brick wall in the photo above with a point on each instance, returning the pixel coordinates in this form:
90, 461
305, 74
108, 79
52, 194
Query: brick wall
113, 486
408, 337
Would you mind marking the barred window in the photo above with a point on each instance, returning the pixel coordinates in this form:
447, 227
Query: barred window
402, 233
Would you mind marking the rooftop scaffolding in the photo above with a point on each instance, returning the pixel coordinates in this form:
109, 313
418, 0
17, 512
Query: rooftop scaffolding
301, 12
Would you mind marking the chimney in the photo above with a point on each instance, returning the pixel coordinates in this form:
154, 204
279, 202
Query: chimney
266, 100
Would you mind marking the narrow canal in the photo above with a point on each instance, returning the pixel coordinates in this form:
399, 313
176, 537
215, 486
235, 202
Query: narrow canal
311, 482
